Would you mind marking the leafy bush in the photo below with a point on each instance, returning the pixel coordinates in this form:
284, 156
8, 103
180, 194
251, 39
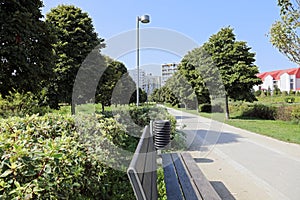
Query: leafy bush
284, 93
260, 111
17, 104
295, 114
205, 108
162, 192
47, 158
284, 113
289, 99
257, 93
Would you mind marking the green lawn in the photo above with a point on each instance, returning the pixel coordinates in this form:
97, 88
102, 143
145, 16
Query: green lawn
281, 130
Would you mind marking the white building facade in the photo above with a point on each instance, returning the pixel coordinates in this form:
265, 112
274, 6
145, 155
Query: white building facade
167, 71
285, 80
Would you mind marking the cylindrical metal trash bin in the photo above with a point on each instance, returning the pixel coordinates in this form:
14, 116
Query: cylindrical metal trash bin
161, 130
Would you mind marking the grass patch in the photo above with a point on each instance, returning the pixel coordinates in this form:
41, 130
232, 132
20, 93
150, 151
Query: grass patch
281, 130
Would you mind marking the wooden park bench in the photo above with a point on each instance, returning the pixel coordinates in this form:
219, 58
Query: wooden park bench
182, 176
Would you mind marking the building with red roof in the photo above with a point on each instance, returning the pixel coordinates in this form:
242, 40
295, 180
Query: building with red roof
285, 80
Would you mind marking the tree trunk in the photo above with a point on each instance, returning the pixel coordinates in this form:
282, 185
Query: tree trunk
102, 104
226, 107
73, 108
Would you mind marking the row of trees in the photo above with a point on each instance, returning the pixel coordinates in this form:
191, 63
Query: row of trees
44, 56
221, 68
225, 67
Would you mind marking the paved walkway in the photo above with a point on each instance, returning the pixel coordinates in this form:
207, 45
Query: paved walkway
248, 165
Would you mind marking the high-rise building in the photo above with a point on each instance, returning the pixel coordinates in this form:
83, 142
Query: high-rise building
151, 83
167, 71
133, 74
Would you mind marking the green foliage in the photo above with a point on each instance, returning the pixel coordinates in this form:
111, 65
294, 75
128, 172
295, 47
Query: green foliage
47, 158
205, 108
142, 96
200, 74
26, 51
284, 113
222, 66
235, 64
284, 34
180, 91
208, 108
292, 93
260, 111
16, 104
276, 90
109, 79
136, 118
161, 188
284, 93
289, 99
295, 115
257, 93
76, 38
164, 95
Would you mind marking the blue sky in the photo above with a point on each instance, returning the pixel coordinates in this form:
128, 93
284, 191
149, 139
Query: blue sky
195, 19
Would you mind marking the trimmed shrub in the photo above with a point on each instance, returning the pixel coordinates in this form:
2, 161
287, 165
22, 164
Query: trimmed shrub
289, 99
284, 113
260, 111
205, 108
292, 93
295, 115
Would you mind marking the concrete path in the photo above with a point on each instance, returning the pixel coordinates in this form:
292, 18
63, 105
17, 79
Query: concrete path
248, 165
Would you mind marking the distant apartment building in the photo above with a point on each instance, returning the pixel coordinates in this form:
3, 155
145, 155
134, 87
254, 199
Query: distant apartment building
285, 80
167, 71
151, 83
142, 75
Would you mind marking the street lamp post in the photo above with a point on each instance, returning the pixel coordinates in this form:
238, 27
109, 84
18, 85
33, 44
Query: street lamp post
144, 19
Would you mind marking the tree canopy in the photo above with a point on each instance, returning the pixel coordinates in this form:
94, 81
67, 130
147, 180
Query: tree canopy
26, 47
284, 33
222, 66
76, 38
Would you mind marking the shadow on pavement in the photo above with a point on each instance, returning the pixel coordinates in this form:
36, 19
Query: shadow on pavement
203, 160
222, 191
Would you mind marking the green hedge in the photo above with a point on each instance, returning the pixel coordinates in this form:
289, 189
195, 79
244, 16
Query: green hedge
46, 158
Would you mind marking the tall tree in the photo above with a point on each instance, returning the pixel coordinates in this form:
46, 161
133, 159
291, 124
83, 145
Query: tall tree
284, 33
112, 74
26, 47
123, 90
76, 38
196, 67
181, 91
235, 64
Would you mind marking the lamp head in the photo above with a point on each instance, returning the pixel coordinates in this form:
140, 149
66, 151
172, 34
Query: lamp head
144, 19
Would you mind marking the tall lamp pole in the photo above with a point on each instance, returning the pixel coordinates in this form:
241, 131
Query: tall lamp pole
144, 19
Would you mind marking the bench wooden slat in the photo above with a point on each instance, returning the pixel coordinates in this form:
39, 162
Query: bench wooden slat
172, 183
185, 182
203, 185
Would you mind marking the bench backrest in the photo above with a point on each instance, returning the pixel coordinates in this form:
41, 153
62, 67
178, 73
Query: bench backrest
142, 169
